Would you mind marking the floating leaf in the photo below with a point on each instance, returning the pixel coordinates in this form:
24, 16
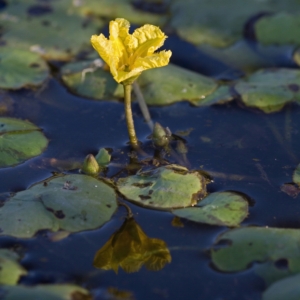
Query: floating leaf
287, 289
45, 292
173, 84
267, 247
21, 68
19, 141
296, 175
10, 269
49, 32
278, 29
165, 187
223, 208
112, 9
270, 89
239, 56
72, 203
207, 25
87, 80
130, 248
219, 96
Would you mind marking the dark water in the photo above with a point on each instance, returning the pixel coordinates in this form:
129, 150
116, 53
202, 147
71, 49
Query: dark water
226, 140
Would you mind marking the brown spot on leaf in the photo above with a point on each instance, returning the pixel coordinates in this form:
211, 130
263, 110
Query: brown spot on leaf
142, 185
144, 197
57, 213
108, 205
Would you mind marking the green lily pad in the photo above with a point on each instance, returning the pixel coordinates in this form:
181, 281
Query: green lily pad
270, 89
45, 292
219, 96
87, 80
19, 141
21, 68
287, 289
72, 203
165, 187
223, 208
296, 175
10, 269
240, 56
50, 33
112, 9
265, 246
207, 24
160, 86
172, 84
278, 29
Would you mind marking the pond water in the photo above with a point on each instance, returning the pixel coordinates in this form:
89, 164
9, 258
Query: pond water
242, 149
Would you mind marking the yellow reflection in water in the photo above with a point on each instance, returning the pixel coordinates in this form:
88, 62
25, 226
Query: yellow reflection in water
130, 248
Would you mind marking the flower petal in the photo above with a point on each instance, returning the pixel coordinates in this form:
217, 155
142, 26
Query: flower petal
149, 38
128, 76
103, 46
156, 60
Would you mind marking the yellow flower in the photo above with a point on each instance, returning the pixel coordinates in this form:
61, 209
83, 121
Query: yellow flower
130, 248
128, 55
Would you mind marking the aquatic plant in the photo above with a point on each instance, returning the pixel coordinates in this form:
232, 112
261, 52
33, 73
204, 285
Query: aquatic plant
128, 55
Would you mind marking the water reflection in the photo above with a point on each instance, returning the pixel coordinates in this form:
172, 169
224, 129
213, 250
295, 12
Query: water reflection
130, 248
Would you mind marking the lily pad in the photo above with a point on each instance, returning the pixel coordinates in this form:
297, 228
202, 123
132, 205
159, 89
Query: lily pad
10, 269
49, 33
219, 96
207, 25
45, 292
19, 141
287, 288
223, 208
112, 9
21, 68
270, 89
296, 175
72, 203
172, 84
87, 80
267, 247
278, 29
165, 187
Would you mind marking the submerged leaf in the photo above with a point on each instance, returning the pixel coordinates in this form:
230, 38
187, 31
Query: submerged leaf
19, 141
10, 269
45, 292
166, 187
130, 248
223, 208
72, 203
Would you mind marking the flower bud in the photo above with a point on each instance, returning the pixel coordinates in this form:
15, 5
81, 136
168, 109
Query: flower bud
90, 165
160, 136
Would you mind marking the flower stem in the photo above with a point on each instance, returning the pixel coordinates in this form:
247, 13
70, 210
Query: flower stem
128, 114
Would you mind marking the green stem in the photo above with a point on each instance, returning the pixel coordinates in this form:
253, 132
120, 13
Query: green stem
128, 115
